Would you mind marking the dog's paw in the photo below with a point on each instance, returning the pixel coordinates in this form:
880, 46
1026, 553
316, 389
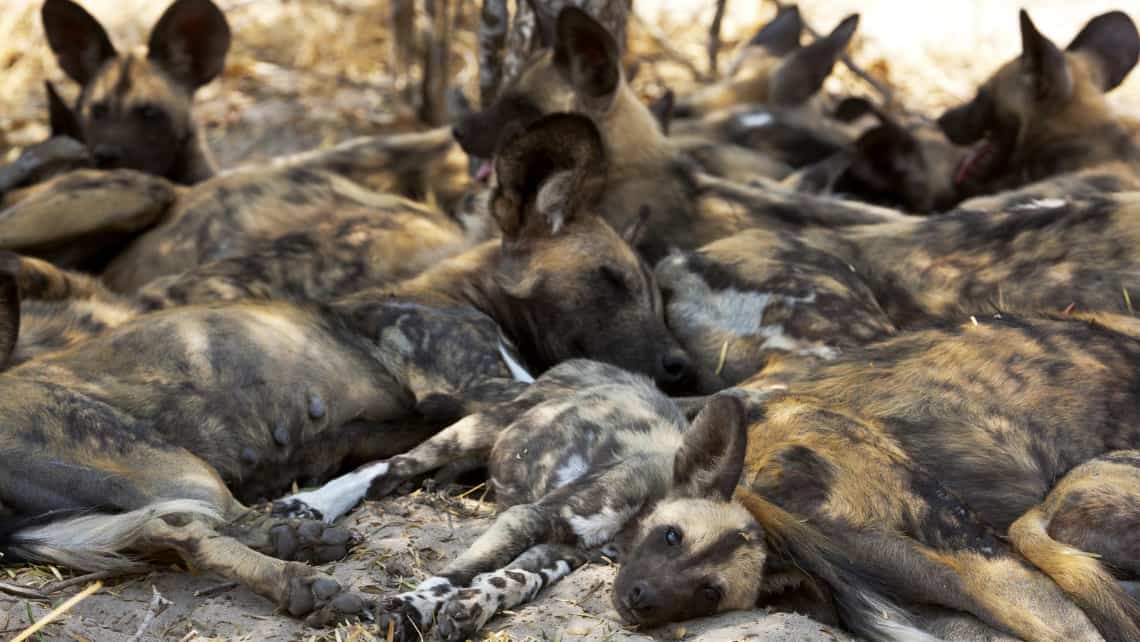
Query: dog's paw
466, 613
321, 601
292, 508
310, 541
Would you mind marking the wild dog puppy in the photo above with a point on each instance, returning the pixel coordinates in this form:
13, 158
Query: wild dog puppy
1045, 112
134, 109
573, 460
156, 429
783, 290
581, 72
240, 212
859, 478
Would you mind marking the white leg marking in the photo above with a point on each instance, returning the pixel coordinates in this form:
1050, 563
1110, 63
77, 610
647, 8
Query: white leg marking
340, 495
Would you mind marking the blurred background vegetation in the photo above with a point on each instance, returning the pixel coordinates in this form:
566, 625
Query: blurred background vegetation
307, 73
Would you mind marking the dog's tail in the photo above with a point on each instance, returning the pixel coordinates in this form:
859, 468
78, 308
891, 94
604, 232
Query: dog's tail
1112, 610
864, 609
92, 541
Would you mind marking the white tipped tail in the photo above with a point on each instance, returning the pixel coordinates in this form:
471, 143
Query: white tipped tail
97, 541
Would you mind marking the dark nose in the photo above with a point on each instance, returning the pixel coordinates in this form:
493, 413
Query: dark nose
457, 134
640, 597
674, 367
107, 157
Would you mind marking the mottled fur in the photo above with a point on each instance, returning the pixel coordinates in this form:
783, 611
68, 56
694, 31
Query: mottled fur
209, 403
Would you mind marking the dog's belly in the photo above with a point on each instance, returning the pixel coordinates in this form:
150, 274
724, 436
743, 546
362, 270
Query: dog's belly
261, 393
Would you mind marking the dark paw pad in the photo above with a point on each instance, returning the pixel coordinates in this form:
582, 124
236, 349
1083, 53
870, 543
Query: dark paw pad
459, 619
295, 509
309, 541
322, 602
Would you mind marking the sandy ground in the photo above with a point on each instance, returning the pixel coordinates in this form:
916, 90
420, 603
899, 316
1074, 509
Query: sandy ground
405, 539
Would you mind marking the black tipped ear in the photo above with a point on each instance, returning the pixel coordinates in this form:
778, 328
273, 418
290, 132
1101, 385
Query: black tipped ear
60, 116
190, 42
545, 24
662, 110
781, 36
586, 54
802, 73
79, 42
710, 461
548, 174
9, 306
1112, 40
1043, 63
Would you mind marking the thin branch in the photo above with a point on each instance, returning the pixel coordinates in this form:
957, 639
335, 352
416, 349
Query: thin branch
158, 604
661, 39
494, 21
714, 38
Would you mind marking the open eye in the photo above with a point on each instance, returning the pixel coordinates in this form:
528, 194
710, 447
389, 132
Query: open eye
99, 111
672, 536
147, 111
712, 593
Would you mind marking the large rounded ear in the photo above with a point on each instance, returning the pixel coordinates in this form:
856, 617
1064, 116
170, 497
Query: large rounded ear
545, 24
190, 42
79, 42
1043, 63
781, 36
60, 116
710, 461
548, 174
802, 73
9, 306
586, 54
1112, 41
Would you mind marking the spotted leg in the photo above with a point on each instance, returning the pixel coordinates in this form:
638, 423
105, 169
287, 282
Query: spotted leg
490, 593
587, 512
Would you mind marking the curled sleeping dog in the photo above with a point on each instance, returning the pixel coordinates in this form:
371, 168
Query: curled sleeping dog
850, 491
763, 293
147, 438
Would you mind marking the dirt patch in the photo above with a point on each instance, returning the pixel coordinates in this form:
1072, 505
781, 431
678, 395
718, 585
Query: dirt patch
405, 539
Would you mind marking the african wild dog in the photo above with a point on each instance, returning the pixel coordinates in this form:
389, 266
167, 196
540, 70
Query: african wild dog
783, 289
861, 478
134, 109
240, 212
156, 430
853, 489
1045, 113
770, 100
581, 72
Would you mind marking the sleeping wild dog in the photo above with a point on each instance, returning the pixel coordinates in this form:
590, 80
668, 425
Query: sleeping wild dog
850, 492
147, 439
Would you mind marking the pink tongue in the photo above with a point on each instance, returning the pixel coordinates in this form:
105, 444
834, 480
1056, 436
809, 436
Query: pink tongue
977, 153
484, 172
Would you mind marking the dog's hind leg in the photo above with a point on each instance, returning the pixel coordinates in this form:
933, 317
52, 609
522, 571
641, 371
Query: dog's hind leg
298, 588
